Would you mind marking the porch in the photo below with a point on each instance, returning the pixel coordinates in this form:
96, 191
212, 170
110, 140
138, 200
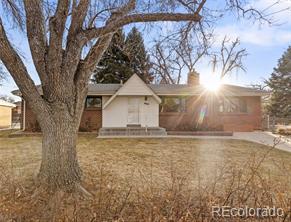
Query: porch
131, 131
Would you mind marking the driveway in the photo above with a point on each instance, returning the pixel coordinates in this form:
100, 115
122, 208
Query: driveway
265, 138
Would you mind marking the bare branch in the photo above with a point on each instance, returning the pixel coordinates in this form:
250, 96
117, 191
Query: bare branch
13, 9
201, 5
57, 28
75, 39
250, 12
94, 17
79, 13
130, 6
181, 51
37, 36
136, 18
229, 59
87, 66
18, 71
167, 64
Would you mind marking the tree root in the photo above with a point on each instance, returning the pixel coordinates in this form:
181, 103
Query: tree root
76, 189
37, 192
83, 192
53, 206
48, 204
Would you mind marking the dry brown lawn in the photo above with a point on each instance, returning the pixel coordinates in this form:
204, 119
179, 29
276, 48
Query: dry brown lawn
128, 157
159, 163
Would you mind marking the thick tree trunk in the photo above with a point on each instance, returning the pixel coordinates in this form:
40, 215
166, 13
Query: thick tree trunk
59, 168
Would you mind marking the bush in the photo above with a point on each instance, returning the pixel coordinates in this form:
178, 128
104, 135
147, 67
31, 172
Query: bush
87, 127
284, 130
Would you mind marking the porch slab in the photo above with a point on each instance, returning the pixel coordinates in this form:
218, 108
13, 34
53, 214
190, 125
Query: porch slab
131, 132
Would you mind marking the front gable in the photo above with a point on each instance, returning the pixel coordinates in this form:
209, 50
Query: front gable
134, 86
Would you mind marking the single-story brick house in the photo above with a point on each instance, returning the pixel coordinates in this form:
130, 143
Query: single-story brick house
184, 107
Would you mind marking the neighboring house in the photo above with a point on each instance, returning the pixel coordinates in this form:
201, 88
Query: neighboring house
188, 107
6, 114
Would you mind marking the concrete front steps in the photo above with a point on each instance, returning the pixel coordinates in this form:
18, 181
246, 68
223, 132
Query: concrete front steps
131, 132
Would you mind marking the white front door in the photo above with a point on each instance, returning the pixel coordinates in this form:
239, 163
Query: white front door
133, 111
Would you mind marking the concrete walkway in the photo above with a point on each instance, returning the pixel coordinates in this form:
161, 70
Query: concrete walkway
266, 138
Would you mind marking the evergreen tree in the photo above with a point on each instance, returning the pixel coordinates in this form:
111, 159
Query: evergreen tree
139, 60
280, 83
123, 58
114, 65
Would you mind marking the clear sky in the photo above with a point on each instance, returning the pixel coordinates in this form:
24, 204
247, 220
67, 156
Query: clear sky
264, 44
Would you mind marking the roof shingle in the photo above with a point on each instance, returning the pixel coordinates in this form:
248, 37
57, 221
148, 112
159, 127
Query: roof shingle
170, 89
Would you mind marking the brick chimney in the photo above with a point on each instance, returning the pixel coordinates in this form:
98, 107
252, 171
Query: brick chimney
193, 78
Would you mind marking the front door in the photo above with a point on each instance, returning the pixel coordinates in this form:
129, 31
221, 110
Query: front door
133, 111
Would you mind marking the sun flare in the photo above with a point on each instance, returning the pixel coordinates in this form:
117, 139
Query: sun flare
212, 84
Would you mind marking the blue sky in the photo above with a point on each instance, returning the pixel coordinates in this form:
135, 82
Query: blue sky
264, 44
263, 53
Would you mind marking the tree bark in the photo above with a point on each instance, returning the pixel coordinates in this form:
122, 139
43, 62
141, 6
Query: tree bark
59, 168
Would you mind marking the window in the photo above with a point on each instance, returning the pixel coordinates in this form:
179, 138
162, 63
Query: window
232, 105
173, 104
93, 102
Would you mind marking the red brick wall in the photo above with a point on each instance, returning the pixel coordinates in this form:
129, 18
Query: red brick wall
31, 123
181, 121
91, 120
244, 122
214, 120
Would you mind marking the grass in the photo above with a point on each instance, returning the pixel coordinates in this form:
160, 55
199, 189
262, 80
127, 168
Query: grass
134, 172
124, 156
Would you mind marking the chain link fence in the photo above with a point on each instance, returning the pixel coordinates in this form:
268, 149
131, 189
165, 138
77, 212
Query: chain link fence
273, 124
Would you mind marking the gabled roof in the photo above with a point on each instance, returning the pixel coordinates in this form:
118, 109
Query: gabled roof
171, 89
134, 86
184, 90
103, 89
5, 103
180, 90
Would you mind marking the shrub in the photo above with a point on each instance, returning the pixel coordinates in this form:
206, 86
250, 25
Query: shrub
87, 127
284, 130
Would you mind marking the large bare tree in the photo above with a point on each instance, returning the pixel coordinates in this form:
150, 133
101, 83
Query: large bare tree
171, 57
67, 38
228, 58
57, 49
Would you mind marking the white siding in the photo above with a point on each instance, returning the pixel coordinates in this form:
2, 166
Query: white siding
116, 113
105, 99
135, 86
149, 114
